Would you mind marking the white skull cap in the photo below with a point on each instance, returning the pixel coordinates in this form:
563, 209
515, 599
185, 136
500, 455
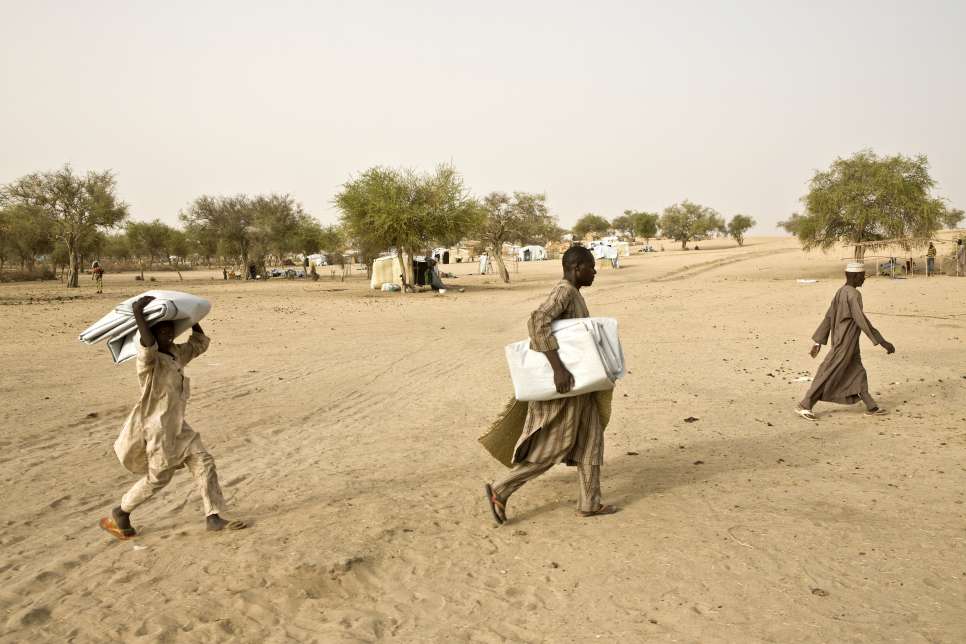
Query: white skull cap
855, 267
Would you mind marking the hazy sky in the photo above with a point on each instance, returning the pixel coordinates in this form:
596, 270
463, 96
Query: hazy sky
604, 106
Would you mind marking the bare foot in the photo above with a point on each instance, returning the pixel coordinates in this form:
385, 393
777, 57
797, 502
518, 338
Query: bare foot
215, 523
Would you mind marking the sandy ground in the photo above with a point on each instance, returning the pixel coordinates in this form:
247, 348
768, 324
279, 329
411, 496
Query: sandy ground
344, 425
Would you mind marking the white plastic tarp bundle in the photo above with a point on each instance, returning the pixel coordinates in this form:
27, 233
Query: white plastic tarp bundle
590, 348
120, 330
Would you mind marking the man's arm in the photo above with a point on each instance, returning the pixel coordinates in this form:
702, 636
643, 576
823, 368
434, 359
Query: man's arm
821, 334
542, 340
858, 316
147, 336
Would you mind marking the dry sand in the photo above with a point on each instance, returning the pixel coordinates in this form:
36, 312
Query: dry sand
344, 425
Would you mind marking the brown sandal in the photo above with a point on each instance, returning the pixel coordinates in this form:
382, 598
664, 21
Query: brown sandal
496, 506
108, 525
601, 510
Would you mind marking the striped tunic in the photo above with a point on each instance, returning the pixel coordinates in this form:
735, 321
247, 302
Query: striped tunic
565, 429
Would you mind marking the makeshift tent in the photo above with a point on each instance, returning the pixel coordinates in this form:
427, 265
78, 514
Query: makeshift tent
452, 255
531, 253
120, 329
386, 270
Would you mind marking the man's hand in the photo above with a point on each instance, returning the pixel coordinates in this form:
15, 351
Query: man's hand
814, 350
563, 380
889, 347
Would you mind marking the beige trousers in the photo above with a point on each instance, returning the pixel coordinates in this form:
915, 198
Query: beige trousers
202, 467
523, 472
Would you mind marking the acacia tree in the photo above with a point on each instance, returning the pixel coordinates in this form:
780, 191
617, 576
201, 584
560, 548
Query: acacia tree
686, 220
623, 224
738, 226
590, 223
228, 219
952, 217
520, 219
202, 240
29, 228
407, 211
866, 200
77, 207
147, 239
642, 224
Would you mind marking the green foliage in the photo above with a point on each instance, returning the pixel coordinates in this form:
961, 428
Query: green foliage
867, 198
794, 224
117, 246
403, 210
77, 207
590, 224
29, 229
148, 239
686, 220
738, 226
952, 217
623, 224
642, 224
520, 219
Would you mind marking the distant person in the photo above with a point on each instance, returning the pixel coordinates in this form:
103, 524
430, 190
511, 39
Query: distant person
156, 440
97, 274
252, 271
314, 274
841, 378
960, 258
930, 260
224, 273
566, 429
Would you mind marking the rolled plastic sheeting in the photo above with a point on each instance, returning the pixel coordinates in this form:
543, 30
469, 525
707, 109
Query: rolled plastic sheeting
590, 349
120, 329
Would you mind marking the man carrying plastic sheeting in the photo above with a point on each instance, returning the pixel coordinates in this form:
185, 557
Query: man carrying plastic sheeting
566, 429
841, 378
156, 440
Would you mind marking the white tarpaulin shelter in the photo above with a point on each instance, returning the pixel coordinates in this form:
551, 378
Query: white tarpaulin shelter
120, 330
590, 348
386, 270
531, 253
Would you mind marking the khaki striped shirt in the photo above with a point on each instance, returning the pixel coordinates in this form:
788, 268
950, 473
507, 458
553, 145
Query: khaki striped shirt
566, 429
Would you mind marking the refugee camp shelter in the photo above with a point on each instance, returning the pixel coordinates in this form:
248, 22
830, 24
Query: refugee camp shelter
386, 270
531, 253
453, 255
609, 250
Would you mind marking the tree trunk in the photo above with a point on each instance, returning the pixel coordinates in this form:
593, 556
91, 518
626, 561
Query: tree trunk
73, 263
501, 266
684, 244
405, 259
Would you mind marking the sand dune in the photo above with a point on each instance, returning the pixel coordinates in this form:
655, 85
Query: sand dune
344, 425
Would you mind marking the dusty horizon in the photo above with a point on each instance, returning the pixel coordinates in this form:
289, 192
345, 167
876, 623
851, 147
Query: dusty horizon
603, 109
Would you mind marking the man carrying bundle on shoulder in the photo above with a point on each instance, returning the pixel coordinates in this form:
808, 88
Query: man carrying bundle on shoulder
564, 429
